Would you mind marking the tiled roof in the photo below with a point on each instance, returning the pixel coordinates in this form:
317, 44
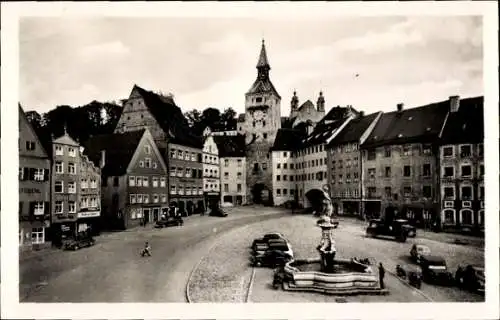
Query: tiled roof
169, 116
467, 124
326, 126
263, 86
354, 129
421, 124
287, 122
287, 140
230, 146
119, 149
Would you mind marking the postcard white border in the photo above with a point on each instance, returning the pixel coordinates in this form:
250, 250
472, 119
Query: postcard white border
10, 79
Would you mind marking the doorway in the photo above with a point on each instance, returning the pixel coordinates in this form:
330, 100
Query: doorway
146, 213
156, 214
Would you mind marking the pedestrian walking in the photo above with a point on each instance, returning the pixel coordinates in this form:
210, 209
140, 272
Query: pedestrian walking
146, 250
381, 274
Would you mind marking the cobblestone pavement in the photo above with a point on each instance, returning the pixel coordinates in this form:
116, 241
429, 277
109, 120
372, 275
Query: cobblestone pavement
113, 271
351, 242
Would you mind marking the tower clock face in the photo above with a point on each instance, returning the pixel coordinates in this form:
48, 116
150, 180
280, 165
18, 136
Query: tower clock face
258, 115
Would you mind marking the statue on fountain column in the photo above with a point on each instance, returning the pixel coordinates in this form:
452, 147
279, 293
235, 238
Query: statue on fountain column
327, 244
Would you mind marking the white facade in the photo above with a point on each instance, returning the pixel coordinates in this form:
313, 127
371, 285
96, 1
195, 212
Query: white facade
312, 164
233, 180
211, 166
284, 177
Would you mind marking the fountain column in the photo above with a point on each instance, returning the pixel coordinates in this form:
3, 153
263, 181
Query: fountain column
326, 246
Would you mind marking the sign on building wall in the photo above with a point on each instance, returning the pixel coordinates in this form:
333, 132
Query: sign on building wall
89, 214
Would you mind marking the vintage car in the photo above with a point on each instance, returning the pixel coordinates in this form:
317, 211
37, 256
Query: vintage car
470, 277
412, 230
218, 212
435, 270
169, 222
396, 229
411, 273
78, 242
270, 258
261, 242
419, 250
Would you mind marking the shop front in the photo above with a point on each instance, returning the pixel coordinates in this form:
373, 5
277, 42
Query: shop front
212, 200
89, 222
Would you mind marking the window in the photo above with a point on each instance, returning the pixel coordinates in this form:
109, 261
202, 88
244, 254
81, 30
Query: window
226, 175
116, 181
449, 193
71, 207
156, 198
449, 216
407, 171
387, 152
186, 156
239, 175
426, 170
466, 217
72, 152
481, 170
59, 167
264, 166
465, 151
291, 166
163, 198
240, 162
426, 149
71, 168
372, 192
371, 173
226, 187
84, 184
173, 154
264, 124
356, 176
387, 172
448, 151
131, 181
147, 162
173, 190
264, 135
37, 235
481, 192
238, 187
145, 181
407, 150
84, 203
278, 166
258, 99
180, 172
388, 192
285, 192
193, 157
480, 149
139, 198
466, 171
372, 154
285, 177
38, 208
93, 184
162, 182
278, 192
427, 191
59, 186
448, 172
278, 178
38, 174
407, 192
132, 198
58, 207
226, 163
71, 187
180, 154
30, 145
59, 151
138, 181
155, 181
173, 171
466, 193
93, 202
147, 149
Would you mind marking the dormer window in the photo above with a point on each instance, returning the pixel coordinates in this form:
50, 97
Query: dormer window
258, 100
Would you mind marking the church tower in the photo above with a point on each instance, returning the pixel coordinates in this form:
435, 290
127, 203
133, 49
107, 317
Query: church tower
262, 122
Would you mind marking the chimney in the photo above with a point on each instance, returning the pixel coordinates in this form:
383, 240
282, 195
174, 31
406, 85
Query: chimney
361, 114
102, 162
454, 103
400, 107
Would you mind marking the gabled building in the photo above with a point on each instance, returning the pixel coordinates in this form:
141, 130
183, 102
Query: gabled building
180, 148
34, 186
400, 172
461, 165
211, 173
232, 169
345, 166
134, 178
76, 196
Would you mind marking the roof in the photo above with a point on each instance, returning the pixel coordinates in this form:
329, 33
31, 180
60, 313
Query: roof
287, 122
170, 118
119, 149
467, 124
421, 124
230, 146
287, 140
306, 104
326, 126
263, 86
354, 129
66, 140
263, 61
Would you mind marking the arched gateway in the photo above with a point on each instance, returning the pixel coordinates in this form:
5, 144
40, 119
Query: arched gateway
261, 194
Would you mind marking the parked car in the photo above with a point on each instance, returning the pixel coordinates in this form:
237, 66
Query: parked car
435, 270
169, 222
217, 212
265, 239
419, 250
79, 242
396, 229
470, 277
411, 273
281, 245
412, 230
271, 258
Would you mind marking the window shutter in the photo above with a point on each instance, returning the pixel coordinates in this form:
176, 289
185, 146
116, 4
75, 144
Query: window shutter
32, 209
47, 207
45, 174
25, 173
32, 174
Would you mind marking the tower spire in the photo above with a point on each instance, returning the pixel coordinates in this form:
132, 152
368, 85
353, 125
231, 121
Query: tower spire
263, 62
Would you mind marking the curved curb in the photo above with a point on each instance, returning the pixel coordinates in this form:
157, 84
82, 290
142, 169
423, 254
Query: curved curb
411, 287
250, 286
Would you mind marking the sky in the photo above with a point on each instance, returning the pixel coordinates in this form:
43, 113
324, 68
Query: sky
371, 63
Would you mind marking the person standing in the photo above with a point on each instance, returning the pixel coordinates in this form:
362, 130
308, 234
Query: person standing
381, 274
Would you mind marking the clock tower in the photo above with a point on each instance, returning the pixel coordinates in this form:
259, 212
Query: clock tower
262, 122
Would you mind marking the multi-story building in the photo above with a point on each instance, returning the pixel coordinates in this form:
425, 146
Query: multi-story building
311, 159
211, 173
181, 150
133, 178
75, 190
461, 163
262, 121
345, 165
232, 169
34, 186
399, 163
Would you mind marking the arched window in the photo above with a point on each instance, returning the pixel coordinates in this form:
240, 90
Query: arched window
466, 217
448, 216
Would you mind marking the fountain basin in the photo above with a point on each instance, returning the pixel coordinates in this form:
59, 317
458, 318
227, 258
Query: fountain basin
349, 277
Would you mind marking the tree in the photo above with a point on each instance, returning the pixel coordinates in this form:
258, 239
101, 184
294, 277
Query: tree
193, 117
228, 119
210, 117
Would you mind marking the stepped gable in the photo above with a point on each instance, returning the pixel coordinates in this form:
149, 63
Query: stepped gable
230, 146
467, 124
119, 149
288, 140
326, 126
422, 124
353, 131
170, 118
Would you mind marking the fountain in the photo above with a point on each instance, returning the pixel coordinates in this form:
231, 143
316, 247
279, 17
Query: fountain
329, 274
